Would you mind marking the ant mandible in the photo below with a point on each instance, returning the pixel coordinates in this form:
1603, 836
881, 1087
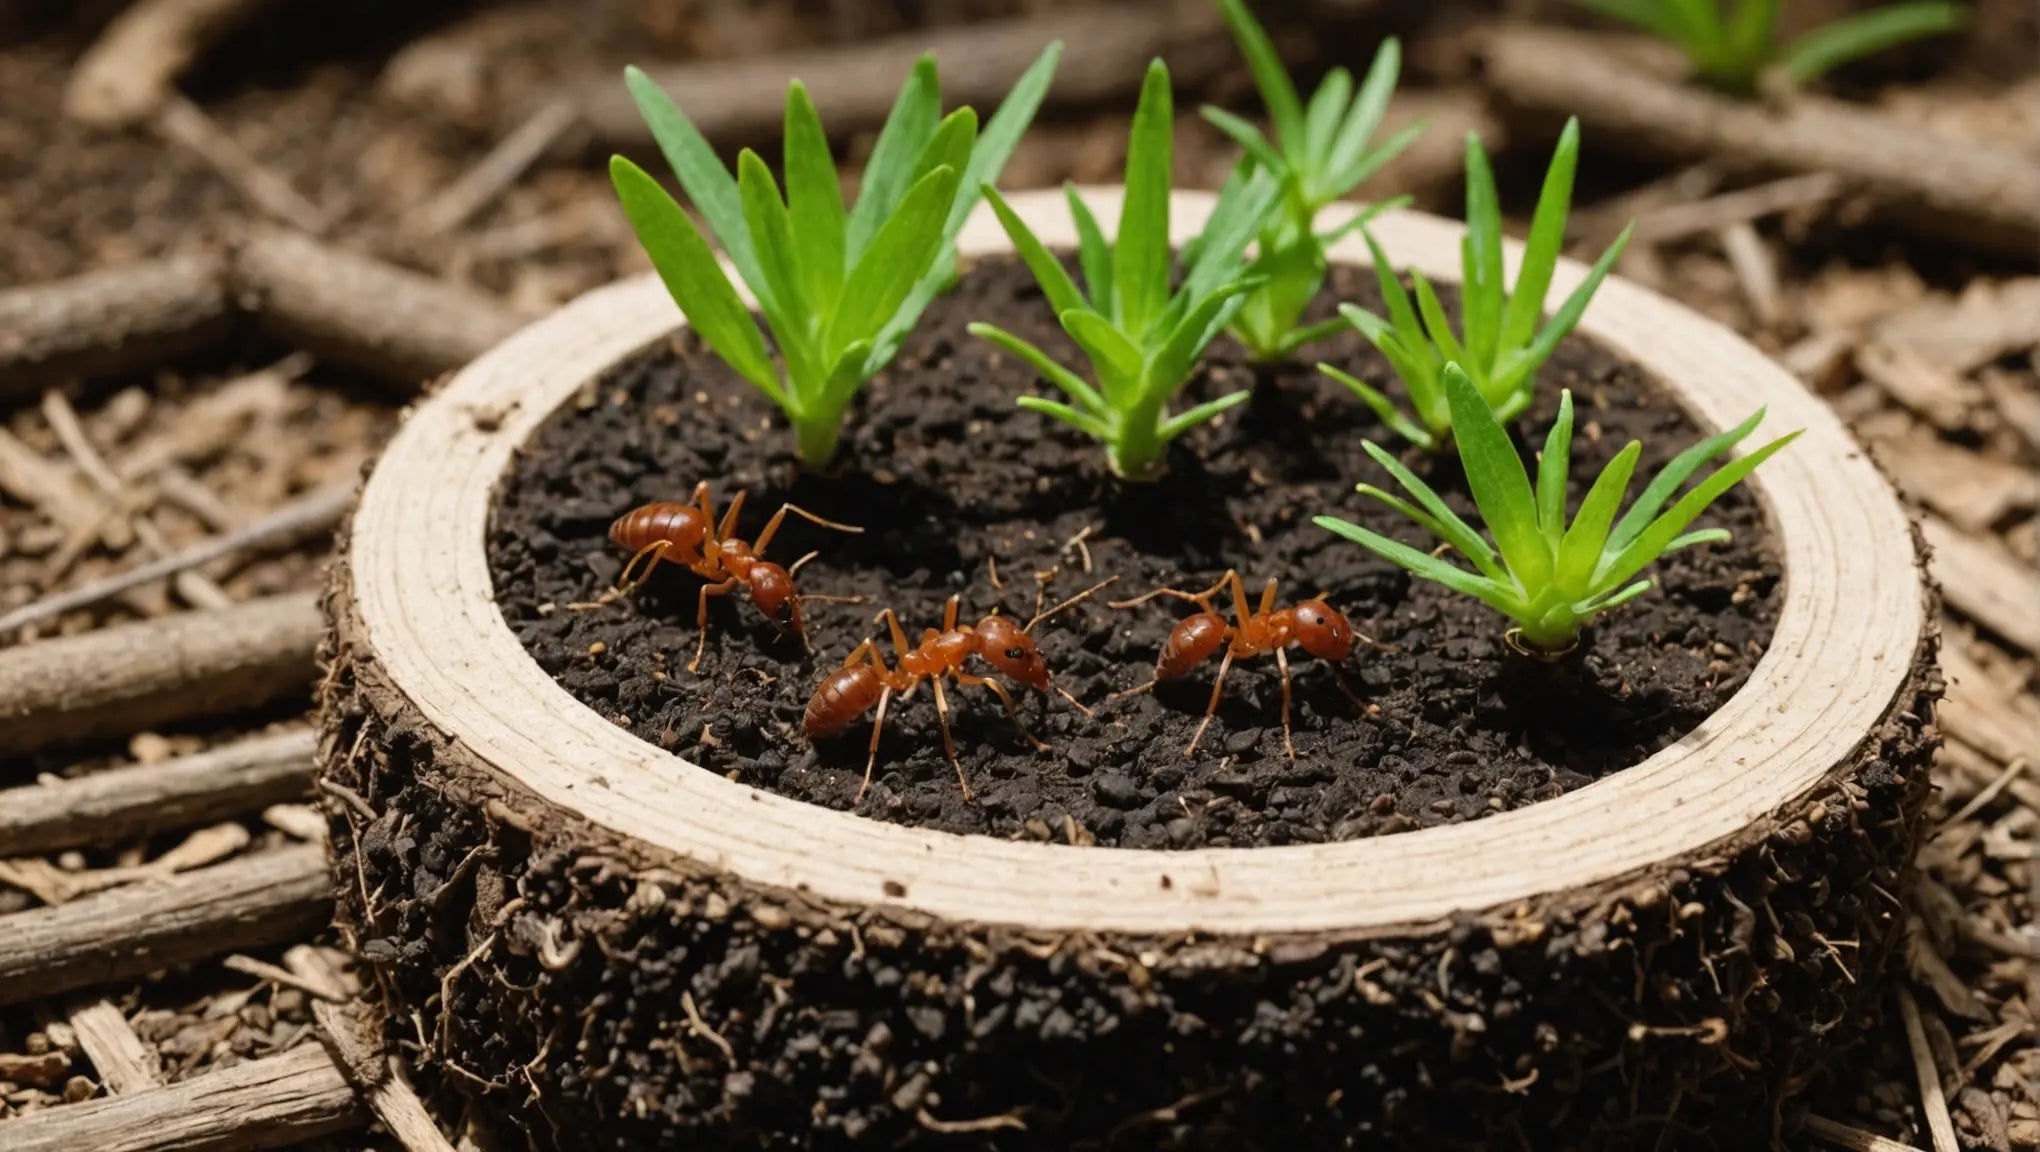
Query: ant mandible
864, 680
688, 535
1313, 625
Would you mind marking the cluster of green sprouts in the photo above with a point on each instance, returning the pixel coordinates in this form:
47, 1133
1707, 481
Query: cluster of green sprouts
1319, 154
1733, 45
1505, 336
1142, 339
1547, 574
839, 288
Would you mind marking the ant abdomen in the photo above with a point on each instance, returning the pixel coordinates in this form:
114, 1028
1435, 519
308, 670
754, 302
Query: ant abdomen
841, 698
680, 525
1191, 642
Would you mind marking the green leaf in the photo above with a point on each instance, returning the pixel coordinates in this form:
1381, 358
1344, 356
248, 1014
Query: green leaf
1072, 384
1666, 482
1087, 424
1693, 539
814, 201
847, 376
1750, 31
1383, 408
903, 249
1351, 178
1400, 313
1169, 365
1278, 92
1321, 120
1867, 33
1481, 303
1654, 540
1176, 425
1048, 271
1552, 468
1586, 541
1362, 218
1140, 254
702, 175
1518, 366
1247, 136
1118, 360
1596, 605
1546, 242
694, 278
1365, 116
1436, 326
1225, 236
1421, 563
1094, 255
890, 169
1449, 526
950, 146
1001, 135
1501, 488
793, 321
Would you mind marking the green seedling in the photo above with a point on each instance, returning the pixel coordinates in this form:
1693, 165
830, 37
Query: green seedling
1546, 575
1319, 154
1733, 44
1505, 338
1142, 340
838, 289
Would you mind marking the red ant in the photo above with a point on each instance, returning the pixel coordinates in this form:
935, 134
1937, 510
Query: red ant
687, 534
864, 679
1313, 624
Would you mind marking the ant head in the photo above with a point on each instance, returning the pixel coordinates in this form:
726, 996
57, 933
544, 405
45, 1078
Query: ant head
1008, 648
773, 592
1322, 631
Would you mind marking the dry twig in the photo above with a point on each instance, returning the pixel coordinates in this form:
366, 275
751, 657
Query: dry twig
130, 677
295, 522
254, 901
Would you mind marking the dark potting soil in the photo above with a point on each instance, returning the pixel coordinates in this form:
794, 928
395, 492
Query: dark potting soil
949, 478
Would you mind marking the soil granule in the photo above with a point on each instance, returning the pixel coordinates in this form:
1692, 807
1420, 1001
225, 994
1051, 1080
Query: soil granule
950, 479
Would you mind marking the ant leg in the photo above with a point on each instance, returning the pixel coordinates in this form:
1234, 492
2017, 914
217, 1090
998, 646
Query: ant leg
1239, 598
877, 726
948, 741
1211, 709
1072, 602
701, 619
1282, 662
772, 525
949, 611
1267, 597
899, 636
1012, 710
1201, 599
728, 526
1147, 687
656, 550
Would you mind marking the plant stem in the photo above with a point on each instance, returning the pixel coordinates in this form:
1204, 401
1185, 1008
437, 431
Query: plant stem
817, 434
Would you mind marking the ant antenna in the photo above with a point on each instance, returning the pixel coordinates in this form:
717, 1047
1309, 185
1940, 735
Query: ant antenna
1069, 603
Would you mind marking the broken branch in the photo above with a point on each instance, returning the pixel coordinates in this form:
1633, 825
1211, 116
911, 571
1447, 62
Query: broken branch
1969, 190
123, 679
119, 934
273, 1102
123, 803
111, 321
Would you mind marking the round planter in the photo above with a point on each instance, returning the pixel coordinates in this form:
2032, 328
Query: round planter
572, 924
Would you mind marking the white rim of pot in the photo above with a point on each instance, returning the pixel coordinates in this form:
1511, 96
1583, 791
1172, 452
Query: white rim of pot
1850, 618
